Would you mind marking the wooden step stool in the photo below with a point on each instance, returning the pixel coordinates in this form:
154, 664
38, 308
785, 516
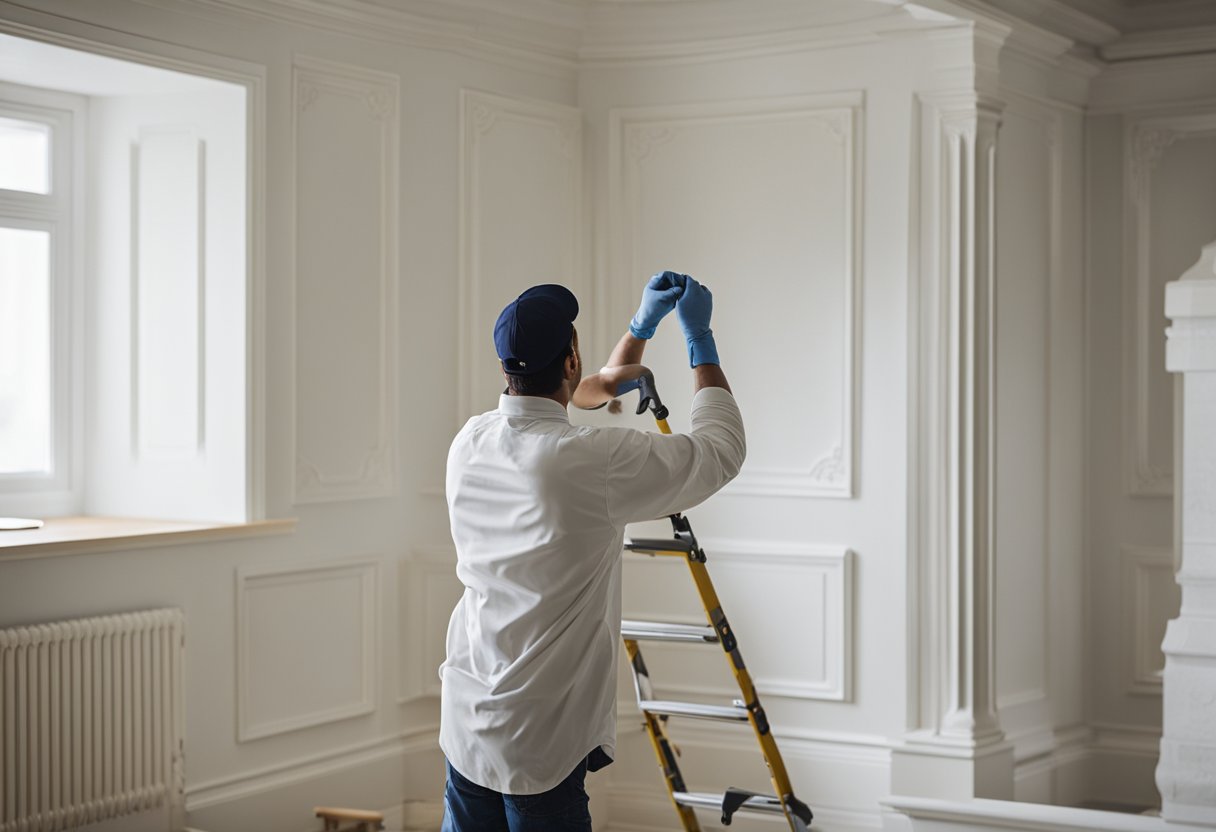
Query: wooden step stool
363, 820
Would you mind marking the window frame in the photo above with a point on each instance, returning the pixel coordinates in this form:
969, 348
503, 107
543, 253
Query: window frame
59, 491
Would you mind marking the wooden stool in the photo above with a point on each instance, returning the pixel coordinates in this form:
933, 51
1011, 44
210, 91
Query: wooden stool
364, 821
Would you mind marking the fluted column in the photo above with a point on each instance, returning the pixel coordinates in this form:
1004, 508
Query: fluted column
1186, 772
958, 749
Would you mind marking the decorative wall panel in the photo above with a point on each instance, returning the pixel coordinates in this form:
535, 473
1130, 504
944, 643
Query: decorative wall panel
760, 201
428, 593
1151, 598
1170, 211
798, 644
307, 641
167, 293
520, 224
345, 129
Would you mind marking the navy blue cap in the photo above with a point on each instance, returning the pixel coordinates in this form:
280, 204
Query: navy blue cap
535, 328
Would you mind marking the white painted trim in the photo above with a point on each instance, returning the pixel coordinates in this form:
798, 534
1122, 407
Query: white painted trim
480, 113
633, 131
1145, 142
380, 91
368, 571
1159, 43
984, 815
247, 784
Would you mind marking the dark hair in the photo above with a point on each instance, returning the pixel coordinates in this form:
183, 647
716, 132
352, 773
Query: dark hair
543, 382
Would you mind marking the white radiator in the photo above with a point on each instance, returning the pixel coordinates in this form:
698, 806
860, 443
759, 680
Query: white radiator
91, 720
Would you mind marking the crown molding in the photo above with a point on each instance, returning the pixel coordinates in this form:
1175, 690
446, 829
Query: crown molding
473, 28
1191, 40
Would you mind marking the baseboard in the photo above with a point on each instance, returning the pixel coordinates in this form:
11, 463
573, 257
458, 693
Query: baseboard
1058, 774
1123, 765
383, 772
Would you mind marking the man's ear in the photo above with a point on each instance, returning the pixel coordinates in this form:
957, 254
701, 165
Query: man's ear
570, 367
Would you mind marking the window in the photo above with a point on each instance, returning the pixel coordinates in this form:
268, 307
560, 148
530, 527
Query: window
124, 269
39, 189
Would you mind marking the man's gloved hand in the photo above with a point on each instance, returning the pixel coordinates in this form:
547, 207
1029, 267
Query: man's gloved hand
695, 306
658, 298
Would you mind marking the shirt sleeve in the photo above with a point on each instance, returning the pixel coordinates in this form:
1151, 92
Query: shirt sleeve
651, 474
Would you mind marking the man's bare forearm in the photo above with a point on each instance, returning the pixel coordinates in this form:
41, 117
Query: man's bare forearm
709, 375
627, 351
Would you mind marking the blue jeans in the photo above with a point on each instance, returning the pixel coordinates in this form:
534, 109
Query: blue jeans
468, 807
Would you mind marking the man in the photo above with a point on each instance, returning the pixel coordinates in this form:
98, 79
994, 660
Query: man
538, 509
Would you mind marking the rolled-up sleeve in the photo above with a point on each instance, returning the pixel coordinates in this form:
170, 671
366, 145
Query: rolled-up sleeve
651, 474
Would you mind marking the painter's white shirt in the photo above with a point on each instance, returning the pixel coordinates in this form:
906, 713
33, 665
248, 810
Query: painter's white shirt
538, 509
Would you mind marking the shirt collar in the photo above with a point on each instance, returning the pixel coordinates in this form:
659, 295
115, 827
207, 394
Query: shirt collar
535, 407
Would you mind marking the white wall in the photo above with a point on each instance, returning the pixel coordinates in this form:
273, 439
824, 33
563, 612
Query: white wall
414, 179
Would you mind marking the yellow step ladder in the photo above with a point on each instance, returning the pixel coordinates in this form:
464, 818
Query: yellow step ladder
683, 544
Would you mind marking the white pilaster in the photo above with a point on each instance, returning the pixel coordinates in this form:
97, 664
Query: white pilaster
957, 749
1186, 772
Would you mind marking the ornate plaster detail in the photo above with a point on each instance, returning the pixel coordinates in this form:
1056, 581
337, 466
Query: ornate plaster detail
307, 95
1148, 146
831, 468
484, 118
641, 139
380, 104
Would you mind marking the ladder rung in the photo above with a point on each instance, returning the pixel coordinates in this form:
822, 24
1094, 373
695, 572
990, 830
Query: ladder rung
766, 804
730, 713
658, 547
662, 631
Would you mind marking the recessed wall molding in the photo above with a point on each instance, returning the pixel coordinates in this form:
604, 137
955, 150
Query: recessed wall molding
1150, 596
297, 669
345, 196
818, 664
427, 594
521, 209
1148, 470
667, 144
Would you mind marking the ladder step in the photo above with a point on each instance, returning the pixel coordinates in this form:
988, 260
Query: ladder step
730, 713
662, 631
651, 546
765, 804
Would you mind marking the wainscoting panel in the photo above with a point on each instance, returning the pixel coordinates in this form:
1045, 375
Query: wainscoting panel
688, 188
428, 593
307, 641
798, 644
345, 129
1169, 214
520, 224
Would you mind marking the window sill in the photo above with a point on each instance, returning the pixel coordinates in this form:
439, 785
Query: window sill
85, 535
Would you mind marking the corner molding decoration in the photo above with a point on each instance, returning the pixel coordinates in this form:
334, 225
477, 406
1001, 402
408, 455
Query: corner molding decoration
637, 132
373, 473
1146, 142
251, 580
482, 115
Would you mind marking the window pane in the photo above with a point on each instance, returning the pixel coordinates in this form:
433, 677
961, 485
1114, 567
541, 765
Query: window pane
25, 156
25, 351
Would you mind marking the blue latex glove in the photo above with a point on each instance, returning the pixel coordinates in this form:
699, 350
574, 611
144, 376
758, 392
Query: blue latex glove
658, 298
694, 309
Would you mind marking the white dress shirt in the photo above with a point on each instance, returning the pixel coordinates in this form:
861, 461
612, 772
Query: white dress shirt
538, 509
